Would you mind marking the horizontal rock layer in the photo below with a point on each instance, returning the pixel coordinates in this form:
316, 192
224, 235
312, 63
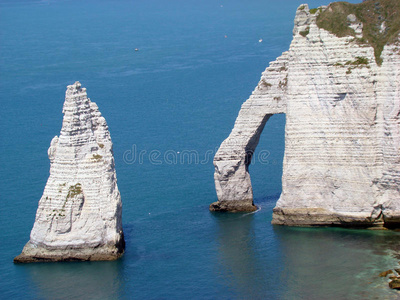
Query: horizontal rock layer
33, 253
79, 213
341, 164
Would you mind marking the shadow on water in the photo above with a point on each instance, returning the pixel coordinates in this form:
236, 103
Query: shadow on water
76, 280
242, 265
262, 261
335, 263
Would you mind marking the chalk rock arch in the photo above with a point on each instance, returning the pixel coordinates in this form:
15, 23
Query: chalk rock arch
342, 134
232, 178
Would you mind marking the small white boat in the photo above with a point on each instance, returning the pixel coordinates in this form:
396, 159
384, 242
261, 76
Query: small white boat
260, 40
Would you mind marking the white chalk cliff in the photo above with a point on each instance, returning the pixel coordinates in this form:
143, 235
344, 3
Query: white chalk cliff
342, 137
79, 214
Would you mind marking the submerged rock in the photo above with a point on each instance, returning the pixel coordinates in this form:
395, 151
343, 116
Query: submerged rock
386, 273
395, 284
342, 156
79, 214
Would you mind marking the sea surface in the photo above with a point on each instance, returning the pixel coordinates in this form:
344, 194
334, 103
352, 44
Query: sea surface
168, 105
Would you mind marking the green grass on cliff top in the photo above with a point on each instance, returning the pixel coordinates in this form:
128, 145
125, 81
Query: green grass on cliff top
372, 13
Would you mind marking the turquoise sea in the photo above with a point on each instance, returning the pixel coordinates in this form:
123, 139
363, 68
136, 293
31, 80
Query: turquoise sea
178, 97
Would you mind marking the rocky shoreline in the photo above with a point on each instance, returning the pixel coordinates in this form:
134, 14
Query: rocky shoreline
394, 277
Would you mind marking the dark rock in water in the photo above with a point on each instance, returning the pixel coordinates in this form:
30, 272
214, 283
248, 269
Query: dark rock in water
395, 284
386, 273
233, 206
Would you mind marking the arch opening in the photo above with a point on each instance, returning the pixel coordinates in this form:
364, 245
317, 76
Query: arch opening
267, 161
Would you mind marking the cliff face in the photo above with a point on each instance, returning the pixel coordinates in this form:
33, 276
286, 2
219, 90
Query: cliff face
79, 214
342, 137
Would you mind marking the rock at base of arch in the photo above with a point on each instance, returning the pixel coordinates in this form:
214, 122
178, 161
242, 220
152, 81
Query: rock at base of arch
233, 206
322, 217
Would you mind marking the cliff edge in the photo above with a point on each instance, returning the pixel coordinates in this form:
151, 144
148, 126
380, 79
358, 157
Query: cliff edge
79, 213
339, 86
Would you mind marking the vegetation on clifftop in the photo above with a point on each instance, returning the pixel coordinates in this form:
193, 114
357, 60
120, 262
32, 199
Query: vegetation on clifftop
371, 13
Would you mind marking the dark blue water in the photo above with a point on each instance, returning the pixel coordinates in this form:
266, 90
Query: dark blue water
169, 106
